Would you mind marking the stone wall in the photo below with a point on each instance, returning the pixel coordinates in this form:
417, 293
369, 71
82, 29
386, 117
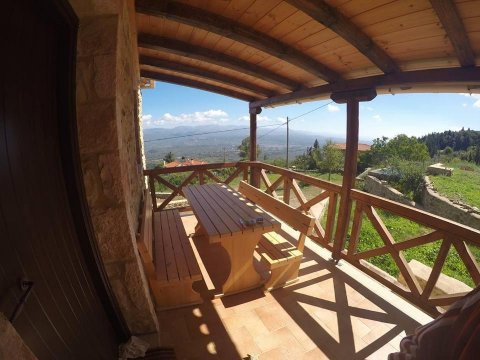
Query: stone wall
380, 188
431, 202
436, 204
11, 344
107, 78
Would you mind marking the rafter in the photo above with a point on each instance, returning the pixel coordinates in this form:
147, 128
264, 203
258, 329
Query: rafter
453, 25
192, 70
177, 80
223, 26
335, 21
468, 77
213, 57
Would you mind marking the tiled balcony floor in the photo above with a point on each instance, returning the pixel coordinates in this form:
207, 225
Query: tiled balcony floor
332, 312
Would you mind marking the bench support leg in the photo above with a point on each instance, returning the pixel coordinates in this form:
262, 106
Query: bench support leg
174, 295
283, 275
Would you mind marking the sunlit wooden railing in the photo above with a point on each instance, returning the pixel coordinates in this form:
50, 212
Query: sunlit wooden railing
290, 182
291, 187
450, 233
200, 174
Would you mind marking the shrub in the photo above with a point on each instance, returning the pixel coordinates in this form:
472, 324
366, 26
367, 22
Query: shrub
410, 179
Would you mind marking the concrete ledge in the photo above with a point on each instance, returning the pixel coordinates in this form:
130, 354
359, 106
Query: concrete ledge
439, 169
445, 284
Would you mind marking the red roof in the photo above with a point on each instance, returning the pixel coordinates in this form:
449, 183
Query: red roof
361, 147
186, 162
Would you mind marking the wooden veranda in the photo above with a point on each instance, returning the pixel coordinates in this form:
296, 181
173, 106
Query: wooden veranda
271, 53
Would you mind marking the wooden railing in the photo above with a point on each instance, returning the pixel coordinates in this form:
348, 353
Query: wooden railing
194, 173
448, 232
290, 187
289, 181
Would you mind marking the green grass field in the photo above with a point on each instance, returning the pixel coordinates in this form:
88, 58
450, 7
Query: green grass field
463, 185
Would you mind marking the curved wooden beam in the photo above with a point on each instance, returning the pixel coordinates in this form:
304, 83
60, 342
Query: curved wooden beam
452, 23
177, 80
192, 70
225, 27
335, 21
213, 57
468, 76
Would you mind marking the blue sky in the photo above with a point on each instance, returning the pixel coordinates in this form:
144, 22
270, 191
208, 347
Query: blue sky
388, 115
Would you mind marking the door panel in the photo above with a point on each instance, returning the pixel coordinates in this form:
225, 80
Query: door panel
43, 235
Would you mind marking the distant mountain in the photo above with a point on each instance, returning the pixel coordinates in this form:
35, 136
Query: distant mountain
213, 142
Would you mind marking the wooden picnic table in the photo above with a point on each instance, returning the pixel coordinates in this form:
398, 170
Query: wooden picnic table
223, 215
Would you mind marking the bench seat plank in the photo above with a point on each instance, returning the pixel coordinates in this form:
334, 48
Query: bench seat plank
191, 261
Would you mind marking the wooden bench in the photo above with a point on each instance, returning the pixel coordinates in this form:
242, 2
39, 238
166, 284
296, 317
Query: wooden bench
282, 257
176, 267
168, 258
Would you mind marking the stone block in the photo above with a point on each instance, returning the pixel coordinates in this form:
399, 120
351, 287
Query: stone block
97, 129
445, 284
130, 290
103, 186
11, 344
85, 8
105, 81
113, 235
97, 35
85, 80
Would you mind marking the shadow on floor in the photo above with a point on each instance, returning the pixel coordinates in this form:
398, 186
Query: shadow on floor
340, 319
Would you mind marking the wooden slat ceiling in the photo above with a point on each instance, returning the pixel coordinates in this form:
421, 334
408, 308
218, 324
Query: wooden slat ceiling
273, 52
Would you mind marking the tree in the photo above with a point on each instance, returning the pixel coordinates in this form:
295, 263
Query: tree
244, 149
169, 157
331, 159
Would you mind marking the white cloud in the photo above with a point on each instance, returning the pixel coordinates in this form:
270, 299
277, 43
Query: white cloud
464, 105
377, 118
264, 120
209, 117
476, 97
333, 108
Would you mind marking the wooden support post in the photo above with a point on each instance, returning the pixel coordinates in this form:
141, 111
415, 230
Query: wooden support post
287, 185
255, 172
352, 99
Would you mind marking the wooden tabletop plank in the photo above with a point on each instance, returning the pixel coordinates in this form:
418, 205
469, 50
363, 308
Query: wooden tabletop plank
240, 204
193, 267
211, 210
222, 212
159, 256
200, 213
180, 261
168, 248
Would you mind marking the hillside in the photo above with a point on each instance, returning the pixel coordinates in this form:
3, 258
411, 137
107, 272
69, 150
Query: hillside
212, 144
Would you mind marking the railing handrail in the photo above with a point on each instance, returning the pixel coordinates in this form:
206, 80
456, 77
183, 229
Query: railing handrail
419, 216
178, 169
298, 176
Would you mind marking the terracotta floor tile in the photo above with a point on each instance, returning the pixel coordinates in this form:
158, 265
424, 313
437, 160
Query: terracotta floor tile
315, 354
275, 354
282, 337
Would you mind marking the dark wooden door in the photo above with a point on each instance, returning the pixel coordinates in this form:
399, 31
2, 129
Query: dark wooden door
43, 232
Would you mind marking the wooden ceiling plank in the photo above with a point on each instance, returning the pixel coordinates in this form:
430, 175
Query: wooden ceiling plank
177, 80
335, 21
203, 54
196, 71
453, 25
435, 77
225, 27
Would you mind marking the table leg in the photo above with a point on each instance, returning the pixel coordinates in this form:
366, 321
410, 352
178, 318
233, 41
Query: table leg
243, 275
